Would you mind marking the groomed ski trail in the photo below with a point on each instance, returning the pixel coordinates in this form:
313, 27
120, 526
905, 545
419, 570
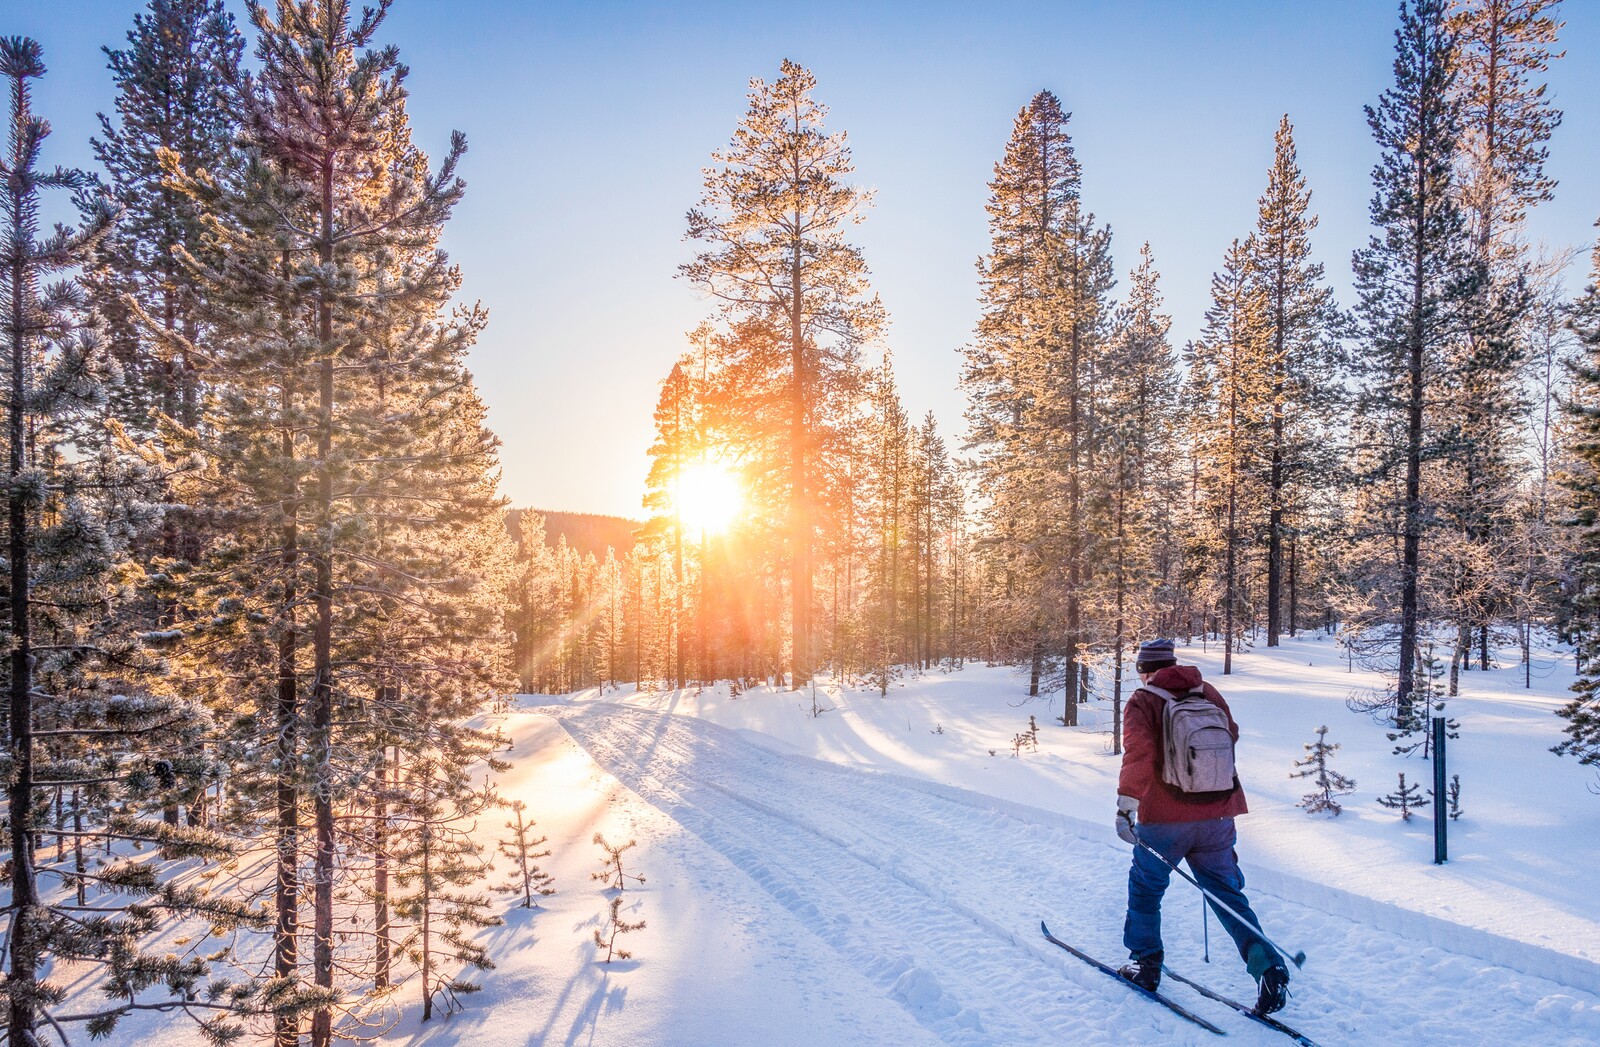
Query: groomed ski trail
932, 895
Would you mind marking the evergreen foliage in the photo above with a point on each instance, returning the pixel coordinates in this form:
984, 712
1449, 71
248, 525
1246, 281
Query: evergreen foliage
794, 295
1405, 798
605, 937
1330, 783
1420, 283
611, 873
1029, 377
522, 849
90, 718
1581, 482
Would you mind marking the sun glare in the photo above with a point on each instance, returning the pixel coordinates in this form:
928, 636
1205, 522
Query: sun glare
708, 498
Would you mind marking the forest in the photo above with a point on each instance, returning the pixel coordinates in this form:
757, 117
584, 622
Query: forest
260, 582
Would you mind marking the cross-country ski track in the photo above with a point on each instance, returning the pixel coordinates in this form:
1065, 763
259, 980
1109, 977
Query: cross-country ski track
933, 895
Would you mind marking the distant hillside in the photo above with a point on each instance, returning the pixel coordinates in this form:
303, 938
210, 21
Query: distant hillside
585, 532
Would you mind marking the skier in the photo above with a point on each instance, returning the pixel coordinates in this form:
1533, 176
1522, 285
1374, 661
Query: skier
1183, 808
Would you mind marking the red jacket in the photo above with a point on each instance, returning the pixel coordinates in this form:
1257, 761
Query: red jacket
1142, 756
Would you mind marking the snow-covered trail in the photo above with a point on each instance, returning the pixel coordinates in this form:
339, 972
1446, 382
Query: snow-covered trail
934, 896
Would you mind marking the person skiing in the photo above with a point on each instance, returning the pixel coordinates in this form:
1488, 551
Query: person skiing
1181, 803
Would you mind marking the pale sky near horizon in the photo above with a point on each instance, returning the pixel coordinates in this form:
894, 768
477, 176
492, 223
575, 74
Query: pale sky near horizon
588, 124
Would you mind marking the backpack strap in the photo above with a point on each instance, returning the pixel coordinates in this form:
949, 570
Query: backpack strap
1166, 695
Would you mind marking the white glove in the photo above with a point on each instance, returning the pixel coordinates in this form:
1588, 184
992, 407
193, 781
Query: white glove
1127, 812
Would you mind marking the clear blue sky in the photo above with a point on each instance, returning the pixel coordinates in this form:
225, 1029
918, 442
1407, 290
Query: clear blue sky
588, 124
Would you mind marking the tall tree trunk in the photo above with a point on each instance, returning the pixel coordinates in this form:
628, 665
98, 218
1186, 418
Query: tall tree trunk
800, 580
1411, 547
322, 637
24, 943
380, 860
1275, 473
286, 714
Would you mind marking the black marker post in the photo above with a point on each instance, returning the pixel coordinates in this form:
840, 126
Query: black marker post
1441, 849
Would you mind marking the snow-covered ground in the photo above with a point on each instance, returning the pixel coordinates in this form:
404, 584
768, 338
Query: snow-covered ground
876, 876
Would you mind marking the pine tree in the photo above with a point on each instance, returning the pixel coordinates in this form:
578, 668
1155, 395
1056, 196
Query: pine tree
177, 103
1029, 378
772, 219
1330, 783
935, 504
1138, 560
441, 864
606, 937
521, 848
1301, 362
1418, 280
1503, 49
1405, 799
1231, 386
677, 446
1581, 483
360, 483
86, 709
889, 472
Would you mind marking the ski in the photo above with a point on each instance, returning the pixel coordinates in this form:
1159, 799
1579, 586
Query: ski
1248, 1012
1170, 1005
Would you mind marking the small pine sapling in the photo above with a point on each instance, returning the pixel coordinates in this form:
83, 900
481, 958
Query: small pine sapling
1414, 730
1330, 783
606, 938
523, 851
1017, 742
1453, 794
1405, 799
1033, 733
611, 873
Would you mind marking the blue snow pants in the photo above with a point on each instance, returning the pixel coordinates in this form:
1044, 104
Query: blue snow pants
1208, 848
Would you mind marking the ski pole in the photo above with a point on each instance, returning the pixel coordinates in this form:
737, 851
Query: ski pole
1205, 928
1298, 959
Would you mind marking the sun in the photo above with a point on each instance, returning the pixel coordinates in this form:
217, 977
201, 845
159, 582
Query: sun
707, 498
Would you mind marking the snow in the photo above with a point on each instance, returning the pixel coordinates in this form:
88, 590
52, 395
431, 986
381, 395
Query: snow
861, 878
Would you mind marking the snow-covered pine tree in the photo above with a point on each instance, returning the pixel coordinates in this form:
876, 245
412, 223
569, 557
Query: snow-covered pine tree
177, 106
1581, 484
605, 937
327, 110
533, 617
1140, 504
521, 848
611, 874
889, 517
1418, 279
177, 94
934, 508
1329, 782
1503, 51
86, 713
1302, 363
440, 868
1028, 377
786, 275
1230, 389
677, 446
328, 294
1414, 731
1405, 799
